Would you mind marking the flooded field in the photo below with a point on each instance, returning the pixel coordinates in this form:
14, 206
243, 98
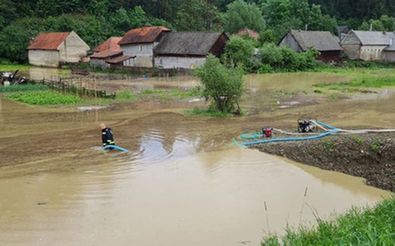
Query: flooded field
182, 183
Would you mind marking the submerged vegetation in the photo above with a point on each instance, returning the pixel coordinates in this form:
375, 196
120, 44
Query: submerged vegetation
371, 226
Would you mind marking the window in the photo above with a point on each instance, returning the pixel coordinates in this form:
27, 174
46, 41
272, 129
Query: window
141, 48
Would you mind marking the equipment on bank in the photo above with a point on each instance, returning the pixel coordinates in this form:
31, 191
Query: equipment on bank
307, 130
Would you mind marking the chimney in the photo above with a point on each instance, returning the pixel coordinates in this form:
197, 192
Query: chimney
371, 27
306, 27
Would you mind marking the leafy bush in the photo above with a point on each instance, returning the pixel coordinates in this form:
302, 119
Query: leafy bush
222, 85
239, 53
43, 97
285, 59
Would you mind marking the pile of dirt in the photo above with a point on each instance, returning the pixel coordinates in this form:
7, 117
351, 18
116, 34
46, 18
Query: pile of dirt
371, 156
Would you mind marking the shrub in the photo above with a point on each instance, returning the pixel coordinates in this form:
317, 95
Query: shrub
222, 85
239, 53
285, 59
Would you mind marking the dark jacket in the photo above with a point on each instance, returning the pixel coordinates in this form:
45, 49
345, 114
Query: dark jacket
107, 137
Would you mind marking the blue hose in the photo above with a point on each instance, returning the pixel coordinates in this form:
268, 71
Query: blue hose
115, 147
326, 125
249, 136
293, 139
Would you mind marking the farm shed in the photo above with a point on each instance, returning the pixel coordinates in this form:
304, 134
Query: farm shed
188, 50
324, 42
56, 48
140, 42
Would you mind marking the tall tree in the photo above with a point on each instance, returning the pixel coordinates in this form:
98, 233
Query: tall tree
241, 15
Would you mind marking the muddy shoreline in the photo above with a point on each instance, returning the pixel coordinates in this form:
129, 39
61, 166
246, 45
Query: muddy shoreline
370, 156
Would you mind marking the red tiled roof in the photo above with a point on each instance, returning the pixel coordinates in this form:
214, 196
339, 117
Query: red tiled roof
119, 59
147, 34
106, 54
249, 33
48, 41
110, 44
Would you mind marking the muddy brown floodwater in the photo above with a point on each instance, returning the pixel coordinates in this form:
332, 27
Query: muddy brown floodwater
182, 183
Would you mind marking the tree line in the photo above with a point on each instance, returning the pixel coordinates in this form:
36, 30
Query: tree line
96, 20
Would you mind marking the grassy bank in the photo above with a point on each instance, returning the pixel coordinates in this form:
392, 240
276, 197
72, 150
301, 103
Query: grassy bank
14, 67
372, 226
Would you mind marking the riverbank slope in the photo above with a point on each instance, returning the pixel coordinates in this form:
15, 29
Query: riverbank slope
371, 156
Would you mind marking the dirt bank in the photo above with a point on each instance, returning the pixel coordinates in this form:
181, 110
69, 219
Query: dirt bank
371, 156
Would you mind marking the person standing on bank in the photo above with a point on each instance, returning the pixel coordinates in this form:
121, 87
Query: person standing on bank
107, 136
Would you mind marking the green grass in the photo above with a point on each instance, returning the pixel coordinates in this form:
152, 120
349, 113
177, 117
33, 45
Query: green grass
125, 95
14, 67
360, 83
43, 97
359, 79
207, 113
371, 226
26, 87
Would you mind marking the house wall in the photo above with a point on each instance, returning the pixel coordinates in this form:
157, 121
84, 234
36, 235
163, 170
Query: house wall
290, 42
99, 63
73, 49
144, 53
170, 62
130, 62
372, 53
389, 56
47, 58
351, 46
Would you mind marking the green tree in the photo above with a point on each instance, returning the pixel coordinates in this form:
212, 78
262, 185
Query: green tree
223, 86
197, 15
239, 53
241, 15
15, 38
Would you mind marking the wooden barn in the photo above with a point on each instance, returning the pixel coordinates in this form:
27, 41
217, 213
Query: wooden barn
324, 42
56, 48
369, 45
140, 43
188, 50
107, 50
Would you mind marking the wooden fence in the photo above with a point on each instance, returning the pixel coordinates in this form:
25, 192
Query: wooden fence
86, 87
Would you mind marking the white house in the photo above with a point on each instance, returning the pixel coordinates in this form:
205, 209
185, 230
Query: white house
56, 48
369, 45
140, 43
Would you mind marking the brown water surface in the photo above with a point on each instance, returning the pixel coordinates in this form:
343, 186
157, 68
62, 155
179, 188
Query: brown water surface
182, 183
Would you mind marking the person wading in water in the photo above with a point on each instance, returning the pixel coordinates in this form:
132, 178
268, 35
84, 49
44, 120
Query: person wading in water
107, 136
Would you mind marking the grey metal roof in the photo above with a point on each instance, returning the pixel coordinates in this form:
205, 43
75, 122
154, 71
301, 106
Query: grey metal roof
319, 40
187, 43
374, 37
